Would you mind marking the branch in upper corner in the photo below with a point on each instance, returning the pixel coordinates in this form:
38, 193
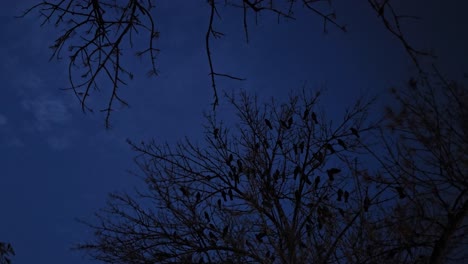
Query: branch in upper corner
387, 14
327, 18
95, 33
256, 7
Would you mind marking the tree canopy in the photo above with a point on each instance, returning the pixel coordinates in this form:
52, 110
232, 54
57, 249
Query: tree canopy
284, 184
279, 185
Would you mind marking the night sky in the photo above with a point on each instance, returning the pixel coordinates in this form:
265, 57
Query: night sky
58, 164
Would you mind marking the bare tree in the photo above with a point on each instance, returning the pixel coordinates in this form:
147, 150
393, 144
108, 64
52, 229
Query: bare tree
425, 205
279, 186
96, 34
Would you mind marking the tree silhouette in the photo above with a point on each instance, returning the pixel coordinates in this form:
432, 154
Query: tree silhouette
424, 214
244, 195
283, 185
95, 34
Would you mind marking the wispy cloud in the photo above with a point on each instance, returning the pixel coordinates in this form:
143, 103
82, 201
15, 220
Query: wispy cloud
14, 142
52, 119
30, 83
3, 120
7, 136
47, 111
42, 113
59, 143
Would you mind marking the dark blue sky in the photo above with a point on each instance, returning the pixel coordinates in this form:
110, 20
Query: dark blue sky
58, 164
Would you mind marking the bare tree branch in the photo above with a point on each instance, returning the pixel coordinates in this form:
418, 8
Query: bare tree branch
391, 20
95, 35
426, 168
263, 193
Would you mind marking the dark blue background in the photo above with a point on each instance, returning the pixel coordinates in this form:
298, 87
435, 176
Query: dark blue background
58, 164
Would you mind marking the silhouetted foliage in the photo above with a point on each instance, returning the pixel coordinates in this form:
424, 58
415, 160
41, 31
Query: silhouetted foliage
256, 200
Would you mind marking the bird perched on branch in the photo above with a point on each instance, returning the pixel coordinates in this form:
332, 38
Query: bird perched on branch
331, 173
366, 204
268, 123
225, 230
296, 171
184, 191
330, 147
340, 194
305, 115
346, 196
342, 143
229, 159
355, 132
317, 181
314, 118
